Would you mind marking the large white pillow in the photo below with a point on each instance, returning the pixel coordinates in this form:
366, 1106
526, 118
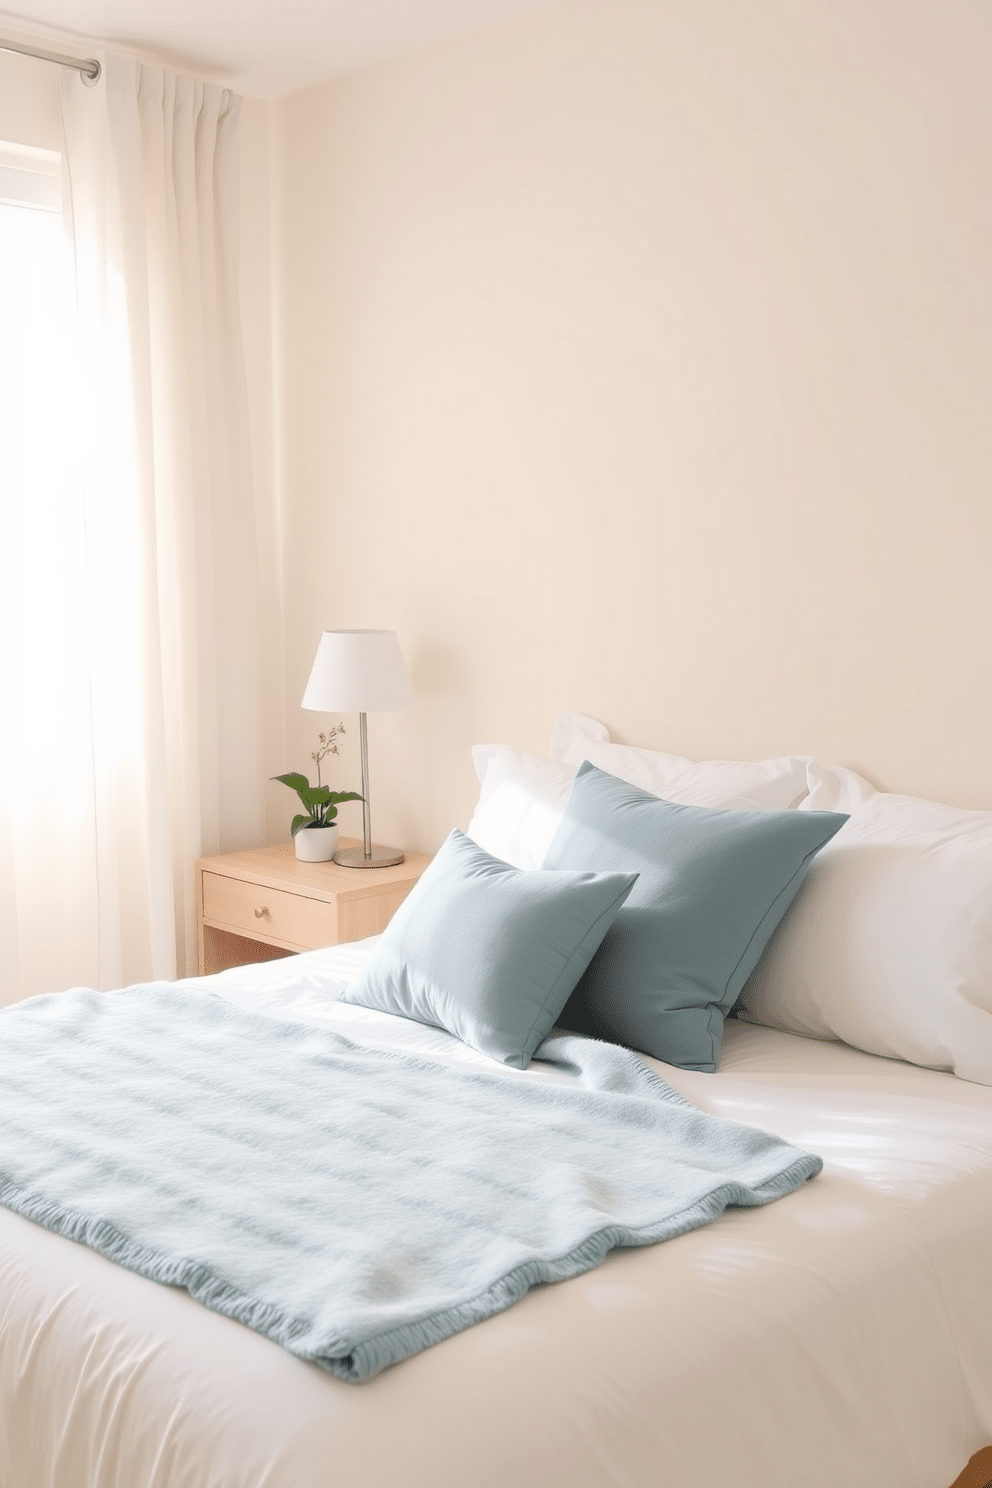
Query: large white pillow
520, 803
748, 784
888, 944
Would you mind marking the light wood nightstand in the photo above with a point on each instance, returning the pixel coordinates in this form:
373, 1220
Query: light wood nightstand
264, 903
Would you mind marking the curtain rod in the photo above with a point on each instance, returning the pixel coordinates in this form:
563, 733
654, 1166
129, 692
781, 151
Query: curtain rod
90, 68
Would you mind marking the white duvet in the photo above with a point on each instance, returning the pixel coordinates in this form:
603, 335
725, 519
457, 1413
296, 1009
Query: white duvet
841, 1336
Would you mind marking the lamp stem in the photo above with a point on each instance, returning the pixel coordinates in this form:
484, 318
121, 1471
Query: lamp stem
366, 809
366, 856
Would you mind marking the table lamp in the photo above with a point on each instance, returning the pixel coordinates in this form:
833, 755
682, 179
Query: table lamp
360, 671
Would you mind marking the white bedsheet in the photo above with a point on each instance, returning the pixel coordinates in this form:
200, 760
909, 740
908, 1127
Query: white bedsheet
841, 1336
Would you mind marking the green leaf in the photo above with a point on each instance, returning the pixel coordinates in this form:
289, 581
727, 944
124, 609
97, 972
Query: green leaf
299, 822
297, 782
294, 779
336, 797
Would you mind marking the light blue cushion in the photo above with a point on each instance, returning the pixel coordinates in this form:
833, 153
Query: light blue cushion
712, 887
487, 951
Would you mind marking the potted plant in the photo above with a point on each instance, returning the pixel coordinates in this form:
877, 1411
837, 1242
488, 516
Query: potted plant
315, 833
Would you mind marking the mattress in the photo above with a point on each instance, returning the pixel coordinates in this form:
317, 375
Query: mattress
840, 1335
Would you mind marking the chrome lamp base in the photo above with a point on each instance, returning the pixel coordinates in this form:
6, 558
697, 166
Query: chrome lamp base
376, 857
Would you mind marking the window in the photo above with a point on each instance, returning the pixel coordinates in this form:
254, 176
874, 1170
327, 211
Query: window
30, 177
45, 754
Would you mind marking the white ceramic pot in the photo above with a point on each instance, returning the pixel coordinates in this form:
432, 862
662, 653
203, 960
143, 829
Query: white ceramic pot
316, 844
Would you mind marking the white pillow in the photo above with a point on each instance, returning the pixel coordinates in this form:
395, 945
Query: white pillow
832, 788
520, 804
888, 944
748, 784
572, 732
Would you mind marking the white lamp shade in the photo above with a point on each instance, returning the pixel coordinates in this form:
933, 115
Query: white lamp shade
358, 671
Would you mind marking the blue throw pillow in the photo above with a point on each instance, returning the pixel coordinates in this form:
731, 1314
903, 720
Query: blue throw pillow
489, 952
712, 886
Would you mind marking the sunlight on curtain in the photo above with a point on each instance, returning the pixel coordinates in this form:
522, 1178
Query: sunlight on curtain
152, 175
129, 720
49, 930
74, 739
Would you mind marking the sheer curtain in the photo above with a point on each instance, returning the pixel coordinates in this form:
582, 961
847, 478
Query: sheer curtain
131, 718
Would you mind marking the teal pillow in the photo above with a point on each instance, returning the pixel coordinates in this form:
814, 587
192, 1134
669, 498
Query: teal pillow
712, 886
487, 951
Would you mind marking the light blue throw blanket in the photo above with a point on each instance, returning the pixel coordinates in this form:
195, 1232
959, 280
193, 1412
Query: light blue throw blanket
354, 1205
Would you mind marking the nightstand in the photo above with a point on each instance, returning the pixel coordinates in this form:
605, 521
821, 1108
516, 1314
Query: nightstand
264, 903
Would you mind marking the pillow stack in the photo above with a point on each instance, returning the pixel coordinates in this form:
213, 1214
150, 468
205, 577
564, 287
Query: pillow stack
687, 871
681, 895
719, 855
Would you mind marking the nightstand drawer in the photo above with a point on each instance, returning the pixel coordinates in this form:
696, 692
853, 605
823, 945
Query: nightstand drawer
264, 913
264, 902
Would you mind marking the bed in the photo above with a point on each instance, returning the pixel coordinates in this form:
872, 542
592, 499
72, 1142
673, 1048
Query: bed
838, 1335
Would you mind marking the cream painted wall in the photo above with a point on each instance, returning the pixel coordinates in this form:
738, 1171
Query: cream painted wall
638, 360
29, 102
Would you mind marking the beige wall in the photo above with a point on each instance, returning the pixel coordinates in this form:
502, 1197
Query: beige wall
29, 102
638, 360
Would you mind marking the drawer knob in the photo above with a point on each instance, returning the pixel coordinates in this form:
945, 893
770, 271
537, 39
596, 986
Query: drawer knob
260, 912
